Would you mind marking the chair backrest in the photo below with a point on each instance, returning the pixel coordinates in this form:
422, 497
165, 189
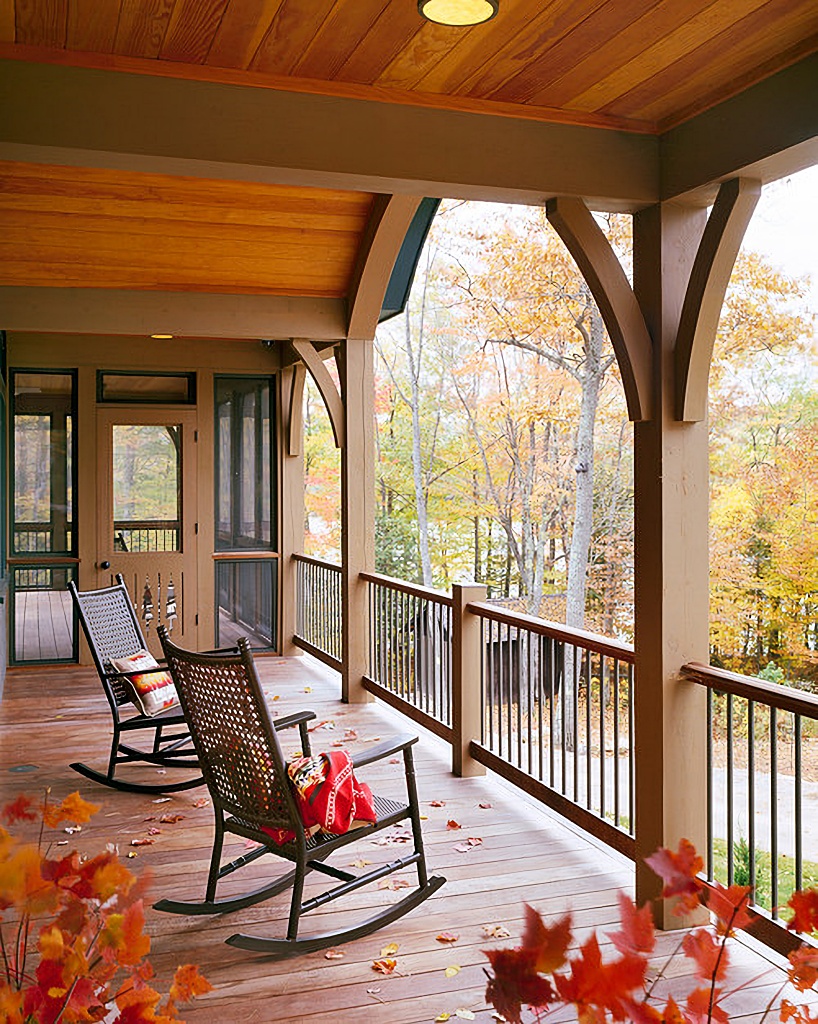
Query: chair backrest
110, 625
238, 749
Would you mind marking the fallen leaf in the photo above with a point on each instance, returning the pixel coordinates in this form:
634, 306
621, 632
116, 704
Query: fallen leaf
394, 760
337, 743
334, 954
277, 696
441, 1017
71, 829
464, 1014
453, 825
150, 817
393, 883
463, 848
390, 950
170, 819
437, 803
142, 842
474, 841
447, 937
350, 735
62, 842
385, 966
485, 806
452, 970
154, 831
161, 800
372, 991
359, 863
131, 855
496, 931
307, 689
371, 739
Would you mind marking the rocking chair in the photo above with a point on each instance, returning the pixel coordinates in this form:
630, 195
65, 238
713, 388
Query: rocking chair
112, 630
246, 774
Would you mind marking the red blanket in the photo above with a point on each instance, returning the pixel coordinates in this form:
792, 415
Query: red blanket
329, 797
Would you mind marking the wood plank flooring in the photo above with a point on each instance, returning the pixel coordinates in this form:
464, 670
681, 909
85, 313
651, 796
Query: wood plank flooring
50, 717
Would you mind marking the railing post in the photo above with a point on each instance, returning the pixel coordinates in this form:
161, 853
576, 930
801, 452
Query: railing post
467, 657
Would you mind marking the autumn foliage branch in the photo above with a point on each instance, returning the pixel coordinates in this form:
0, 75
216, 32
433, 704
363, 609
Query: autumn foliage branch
544, 975
73, 945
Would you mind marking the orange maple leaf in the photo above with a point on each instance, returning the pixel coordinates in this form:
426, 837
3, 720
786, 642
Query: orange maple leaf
700, 1011
188, 983
638, 933
703, 948
72, 808
803, 971
731, 906
678, 871
550, 943
515, 982
805, 905
593, 985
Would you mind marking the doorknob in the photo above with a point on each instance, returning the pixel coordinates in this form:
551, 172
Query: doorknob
104, 565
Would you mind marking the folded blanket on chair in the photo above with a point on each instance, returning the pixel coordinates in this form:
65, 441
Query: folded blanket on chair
329, 797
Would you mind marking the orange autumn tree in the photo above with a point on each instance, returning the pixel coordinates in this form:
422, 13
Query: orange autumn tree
72, 930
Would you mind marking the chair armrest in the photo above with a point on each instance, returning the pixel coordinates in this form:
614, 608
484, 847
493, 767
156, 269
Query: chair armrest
384, 749
299, 718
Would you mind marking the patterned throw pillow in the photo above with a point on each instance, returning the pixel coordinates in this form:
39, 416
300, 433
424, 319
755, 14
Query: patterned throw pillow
153, 692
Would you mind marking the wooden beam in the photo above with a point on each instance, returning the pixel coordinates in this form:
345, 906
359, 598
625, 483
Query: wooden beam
598, 263
293, 396
386, 229
325, 384
104, 118
704, 297
183, 314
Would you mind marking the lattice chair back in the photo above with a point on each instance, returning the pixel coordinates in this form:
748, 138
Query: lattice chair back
239, 753
112, 630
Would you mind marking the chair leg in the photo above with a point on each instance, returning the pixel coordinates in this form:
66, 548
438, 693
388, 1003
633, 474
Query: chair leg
215, 859
414, 813
295, 905
114, 752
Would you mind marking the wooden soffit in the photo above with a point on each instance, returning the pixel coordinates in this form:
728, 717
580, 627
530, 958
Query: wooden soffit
635, 66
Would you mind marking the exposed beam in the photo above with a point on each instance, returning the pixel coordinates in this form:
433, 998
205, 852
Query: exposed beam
598, 263
388, 223
704, 297
769, 130
184, 314
325, 384
99, 118
295, 410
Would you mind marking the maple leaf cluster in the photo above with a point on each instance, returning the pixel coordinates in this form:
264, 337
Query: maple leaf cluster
544, 974
86, 958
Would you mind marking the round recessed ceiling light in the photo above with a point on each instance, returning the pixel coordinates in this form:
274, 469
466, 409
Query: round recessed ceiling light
458, 12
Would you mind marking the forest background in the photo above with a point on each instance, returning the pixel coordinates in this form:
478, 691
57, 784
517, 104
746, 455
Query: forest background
504, 453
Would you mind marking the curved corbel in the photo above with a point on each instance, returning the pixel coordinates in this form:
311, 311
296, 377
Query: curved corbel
325, 384
294, 400
715, 259
599, 265
389, 221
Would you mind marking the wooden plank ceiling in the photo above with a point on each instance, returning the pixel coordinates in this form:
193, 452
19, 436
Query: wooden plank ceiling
644, 64
79, 227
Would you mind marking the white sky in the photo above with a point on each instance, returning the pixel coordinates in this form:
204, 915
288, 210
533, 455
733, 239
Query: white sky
784, 227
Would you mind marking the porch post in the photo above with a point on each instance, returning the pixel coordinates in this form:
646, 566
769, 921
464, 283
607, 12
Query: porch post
356, 368
292, 499
671, 563
467, 657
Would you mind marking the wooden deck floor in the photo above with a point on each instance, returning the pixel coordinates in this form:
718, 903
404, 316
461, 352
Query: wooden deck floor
527, 855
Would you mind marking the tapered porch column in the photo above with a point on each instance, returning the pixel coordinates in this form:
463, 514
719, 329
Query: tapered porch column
291, 399
355, 364
671, 562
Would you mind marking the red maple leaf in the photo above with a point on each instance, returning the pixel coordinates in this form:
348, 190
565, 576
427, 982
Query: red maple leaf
805, 905
593, 985
803, 971
21, 809
638, 933
678, 871
731, 906
515, 982
700, 1011
549, 942
704, 949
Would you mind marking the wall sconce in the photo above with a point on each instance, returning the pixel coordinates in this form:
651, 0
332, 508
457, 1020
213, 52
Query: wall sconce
458, 12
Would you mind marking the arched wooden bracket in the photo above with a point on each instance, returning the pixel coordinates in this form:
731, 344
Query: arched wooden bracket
715, 259
386, 229
292, 396
599, 265
325, 384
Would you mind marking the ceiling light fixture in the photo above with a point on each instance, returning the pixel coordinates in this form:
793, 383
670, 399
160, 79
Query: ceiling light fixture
458, 12
162, 337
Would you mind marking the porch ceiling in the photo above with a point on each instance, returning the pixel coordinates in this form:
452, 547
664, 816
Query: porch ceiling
632, 65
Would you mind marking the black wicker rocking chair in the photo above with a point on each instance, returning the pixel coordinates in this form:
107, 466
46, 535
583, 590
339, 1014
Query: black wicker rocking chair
111, 627
245, 771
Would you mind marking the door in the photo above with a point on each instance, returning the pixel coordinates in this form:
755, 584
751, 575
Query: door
147, 518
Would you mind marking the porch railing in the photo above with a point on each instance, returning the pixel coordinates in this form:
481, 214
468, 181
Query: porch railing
410, 650
318, 609
558, 719
757, 832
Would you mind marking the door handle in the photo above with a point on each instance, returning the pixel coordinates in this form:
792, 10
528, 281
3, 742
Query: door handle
104, 565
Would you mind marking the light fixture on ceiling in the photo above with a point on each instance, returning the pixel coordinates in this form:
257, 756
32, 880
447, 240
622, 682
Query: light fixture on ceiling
162, 337
458, 12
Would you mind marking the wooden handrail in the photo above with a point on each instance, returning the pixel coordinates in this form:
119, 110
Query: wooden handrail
438, 596
555, 630
782, 697
309, 560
